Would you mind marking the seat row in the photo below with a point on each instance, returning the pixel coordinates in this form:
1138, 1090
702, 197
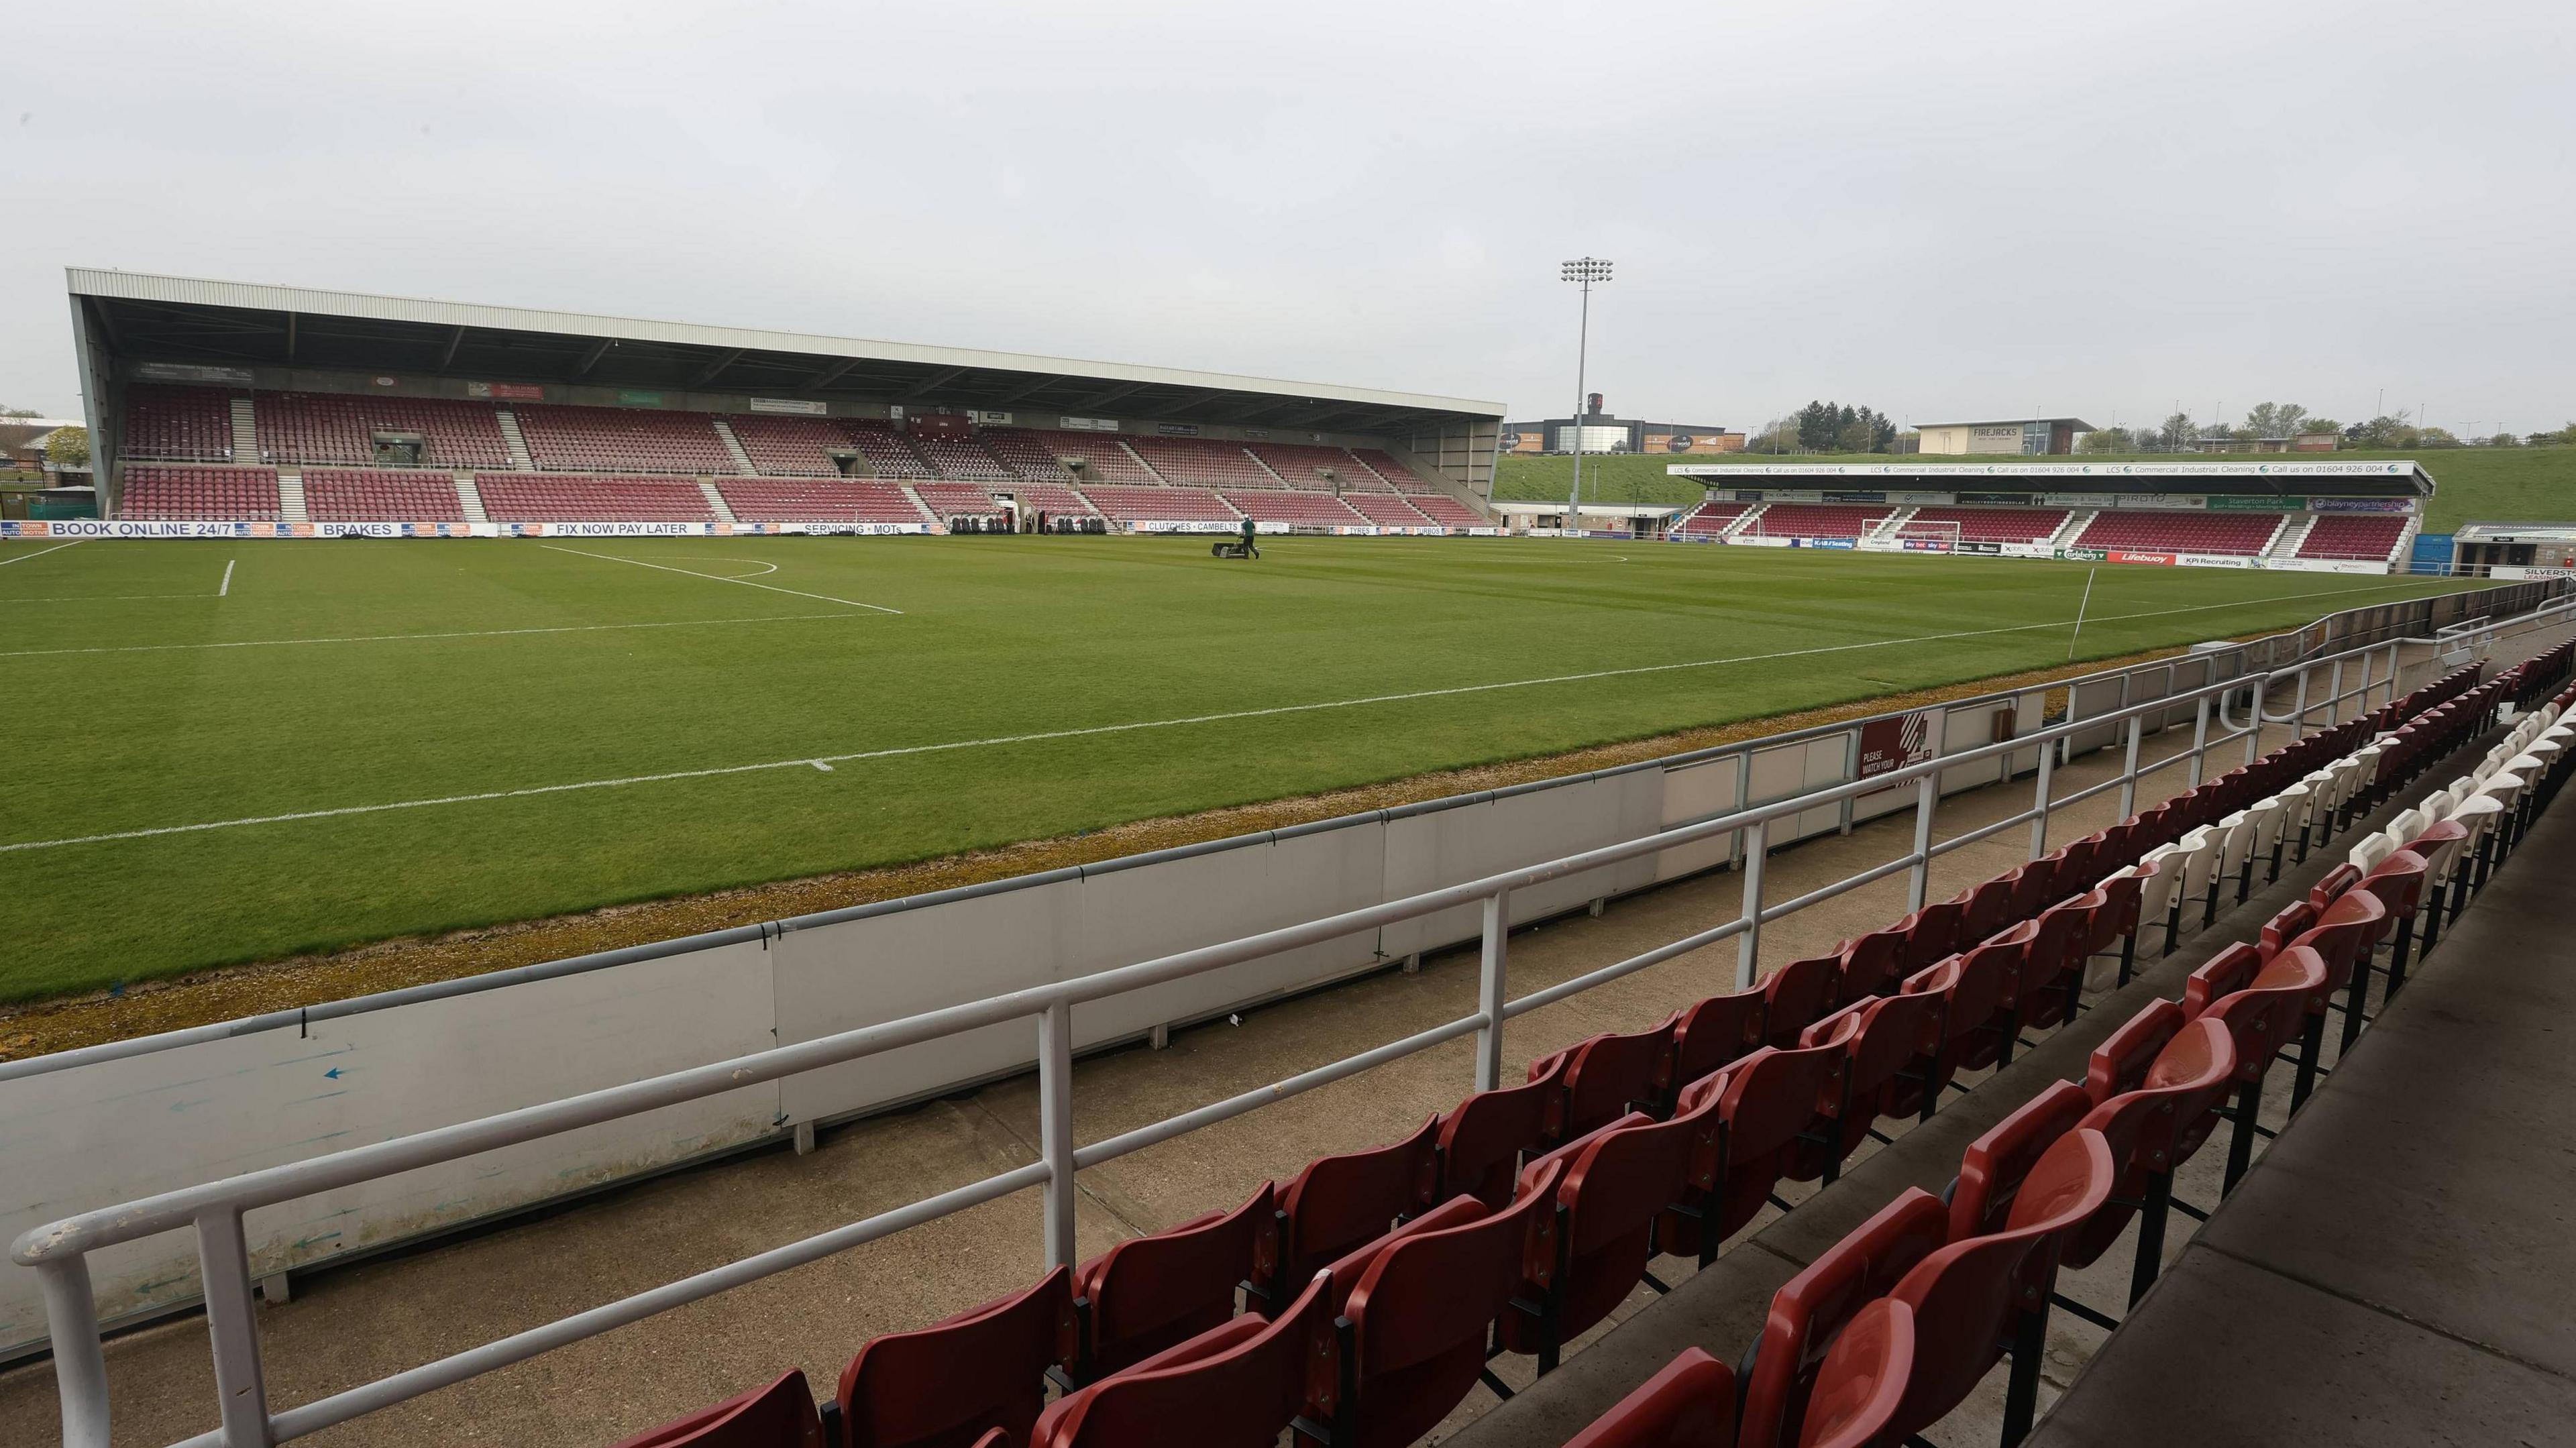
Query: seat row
1362, 1302
1895, 1325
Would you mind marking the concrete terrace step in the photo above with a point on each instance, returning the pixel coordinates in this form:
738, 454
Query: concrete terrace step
716, 501
733, 448
511, 439
245, 433
470, 498
290, 498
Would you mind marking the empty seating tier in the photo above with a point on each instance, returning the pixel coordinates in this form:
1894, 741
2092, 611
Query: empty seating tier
960, 458
791, 447
1987, 525
1446, 511
160, 495
584, 497
1387, 511
1817, 520
321, 427
1030, 454
1195, 462
2363, 537
1396, 474
1160, 505
1303, 465
622, 439
843, 500
1709, 519
888, 451
192, 424
949, 499
381, 495
1278, 505
2151, 531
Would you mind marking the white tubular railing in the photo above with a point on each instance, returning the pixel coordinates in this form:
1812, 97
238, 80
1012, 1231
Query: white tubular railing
58, 1251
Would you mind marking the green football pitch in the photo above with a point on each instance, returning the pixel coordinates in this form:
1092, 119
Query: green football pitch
231, 752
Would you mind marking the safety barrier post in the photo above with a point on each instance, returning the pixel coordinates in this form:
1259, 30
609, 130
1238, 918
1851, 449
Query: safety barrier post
2039, 807
1055, 1128
224, 1258
2298, 711
1748, 947
80, 1364
2200, 737
2128, 772
1927, 798
1489, 991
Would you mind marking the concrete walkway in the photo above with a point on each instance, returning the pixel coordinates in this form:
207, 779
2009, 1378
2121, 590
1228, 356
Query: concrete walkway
2399, 1267
357, 1323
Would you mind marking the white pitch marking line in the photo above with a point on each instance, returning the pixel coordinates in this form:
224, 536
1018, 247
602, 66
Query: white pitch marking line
822, 761
408, 637
105, 597
720, 578
227, 585
41, 552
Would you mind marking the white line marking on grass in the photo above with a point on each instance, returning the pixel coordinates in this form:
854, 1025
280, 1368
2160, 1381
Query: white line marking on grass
488, 633
41, 552
721, 578
105, 597
824, 762
227, 585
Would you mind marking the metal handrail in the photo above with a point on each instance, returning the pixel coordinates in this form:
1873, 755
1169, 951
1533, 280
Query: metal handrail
58, 1250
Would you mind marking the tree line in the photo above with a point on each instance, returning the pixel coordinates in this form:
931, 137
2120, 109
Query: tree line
2395, 430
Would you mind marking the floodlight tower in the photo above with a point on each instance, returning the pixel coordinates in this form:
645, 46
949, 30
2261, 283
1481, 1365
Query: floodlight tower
1586, 270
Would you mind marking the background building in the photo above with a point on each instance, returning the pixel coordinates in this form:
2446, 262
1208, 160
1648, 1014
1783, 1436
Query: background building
2033, 436
1604, 433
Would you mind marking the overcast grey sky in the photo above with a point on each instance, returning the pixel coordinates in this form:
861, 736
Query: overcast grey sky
1941, 210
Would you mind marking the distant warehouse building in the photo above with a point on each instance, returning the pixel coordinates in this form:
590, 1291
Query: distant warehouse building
1603, 433
2028, 436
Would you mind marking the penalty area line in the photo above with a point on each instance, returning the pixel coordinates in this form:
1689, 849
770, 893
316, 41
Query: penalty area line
489, 633
825, 762
41, 552
721, 578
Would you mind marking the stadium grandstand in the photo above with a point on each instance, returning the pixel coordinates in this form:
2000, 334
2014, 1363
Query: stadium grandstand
2319, 517
262, 411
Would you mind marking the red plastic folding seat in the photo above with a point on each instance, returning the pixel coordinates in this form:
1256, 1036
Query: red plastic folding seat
1893, 1043
1341, 1202
2260, 1018
2153, 1128
1616, 1183
1932, 934
1992, 1170
1773, 1103
1689, 1404
1609, 1075
1148, 1293
1872, 964
1975, 1301
1235, 1386
1990, 1043
2438, 838
1970, 990
2400, 883
1799, 993
2052, 975
1860, 1389
2295, 919
2034, 888
1483, 1138
1985, 908
1414, 1324
1712, 1034
2222, 975
2337, 880
1813, 1308
780, 1415
946, 1385
2343, 939
2123, 898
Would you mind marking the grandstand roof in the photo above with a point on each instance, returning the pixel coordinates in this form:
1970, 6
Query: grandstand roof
2401, 478
241, 324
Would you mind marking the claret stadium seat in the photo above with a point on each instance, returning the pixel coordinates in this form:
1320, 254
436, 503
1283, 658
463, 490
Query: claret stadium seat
1484, 1138
1800, 993
949, 1383
1812, 1309
1873, 964
780, 1415
1860, 1390
1767, 1102
1236, 1386
1996, 1164
1615, 1184
1711, 1034
1341, 1202
2153, 1126
1148, 1293
1689, 1404
1893, 1043
1608, 1076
